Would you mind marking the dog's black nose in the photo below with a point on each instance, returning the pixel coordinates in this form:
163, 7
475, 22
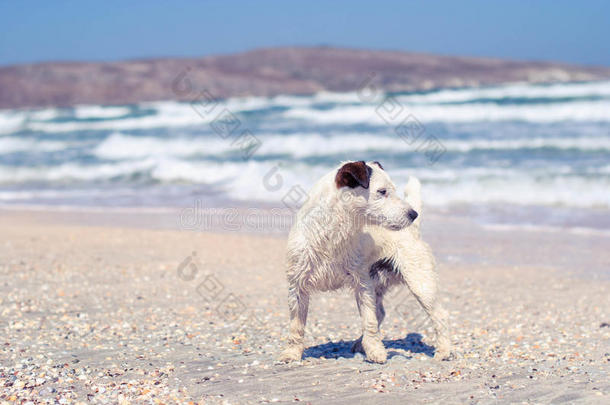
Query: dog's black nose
412, 214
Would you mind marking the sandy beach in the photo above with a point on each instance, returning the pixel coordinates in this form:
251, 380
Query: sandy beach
110, 307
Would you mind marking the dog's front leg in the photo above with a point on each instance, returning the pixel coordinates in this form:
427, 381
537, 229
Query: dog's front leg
380, 312
298, 304
371, 339
423, 285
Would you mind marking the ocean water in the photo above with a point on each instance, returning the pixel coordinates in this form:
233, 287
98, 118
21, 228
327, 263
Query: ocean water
532, 154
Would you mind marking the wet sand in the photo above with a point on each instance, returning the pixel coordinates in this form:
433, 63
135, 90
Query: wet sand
114, 307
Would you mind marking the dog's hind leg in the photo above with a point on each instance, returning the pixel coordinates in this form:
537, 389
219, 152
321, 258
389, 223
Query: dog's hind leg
298, 304
370, 341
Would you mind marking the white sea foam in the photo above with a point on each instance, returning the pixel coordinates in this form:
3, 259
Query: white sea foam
46, 114
168, 114
187, 118
16, 120
522, 189
246, 181
11, 121
241, 181
329, 97
311, 144
120, 146
96, 111
522, 90
581, 143
581, 111
14, 144
72, 171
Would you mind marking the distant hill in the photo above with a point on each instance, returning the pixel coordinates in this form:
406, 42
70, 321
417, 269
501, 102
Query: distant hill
266, 72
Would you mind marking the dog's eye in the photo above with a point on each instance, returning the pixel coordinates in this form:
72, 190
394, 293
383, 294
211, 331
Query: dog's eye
382, 191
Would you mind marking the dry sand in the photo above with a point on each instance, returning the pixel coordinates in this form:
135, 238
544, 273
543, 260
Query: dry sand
118, 313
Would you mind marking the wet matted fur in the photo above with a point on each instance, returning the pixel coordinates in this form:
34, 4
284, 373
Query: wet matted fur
354, 232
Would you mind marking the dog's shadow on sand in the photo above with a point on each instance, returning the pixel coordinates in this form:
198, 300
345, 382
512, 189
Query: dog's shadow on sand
411, 344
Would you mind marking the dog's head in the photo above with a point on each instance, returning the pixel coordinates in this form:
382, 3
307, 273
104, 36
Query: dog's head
366, 190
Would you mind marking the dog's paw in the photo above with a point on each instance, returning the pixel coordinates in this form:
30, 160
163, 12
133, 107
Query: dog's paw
357, 346
377, 356
374, 350
443, 353
292, 353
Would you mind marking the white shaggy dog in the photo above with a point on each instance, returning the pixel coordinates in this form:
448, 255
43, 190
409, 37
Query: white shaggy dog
350, 233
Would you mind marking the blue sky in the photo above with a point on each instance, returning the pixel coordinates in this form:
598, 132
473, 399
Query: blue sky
570, 31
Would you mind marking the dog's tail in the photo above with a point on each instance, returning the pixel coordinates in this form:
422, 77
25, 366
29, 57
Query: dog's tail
413, 197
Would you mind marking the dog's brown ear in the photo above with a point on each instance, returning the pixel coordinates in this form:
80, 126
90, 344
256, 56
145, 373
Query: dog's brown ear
353, 174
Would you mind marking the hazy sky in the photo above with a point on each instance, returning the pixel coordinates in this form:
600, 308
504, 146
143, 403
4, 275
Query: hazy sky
571, 31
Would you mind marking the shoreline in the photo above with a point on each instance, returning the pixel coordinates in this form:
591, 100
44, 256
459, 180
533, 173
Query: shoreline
497, 216
455, 238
